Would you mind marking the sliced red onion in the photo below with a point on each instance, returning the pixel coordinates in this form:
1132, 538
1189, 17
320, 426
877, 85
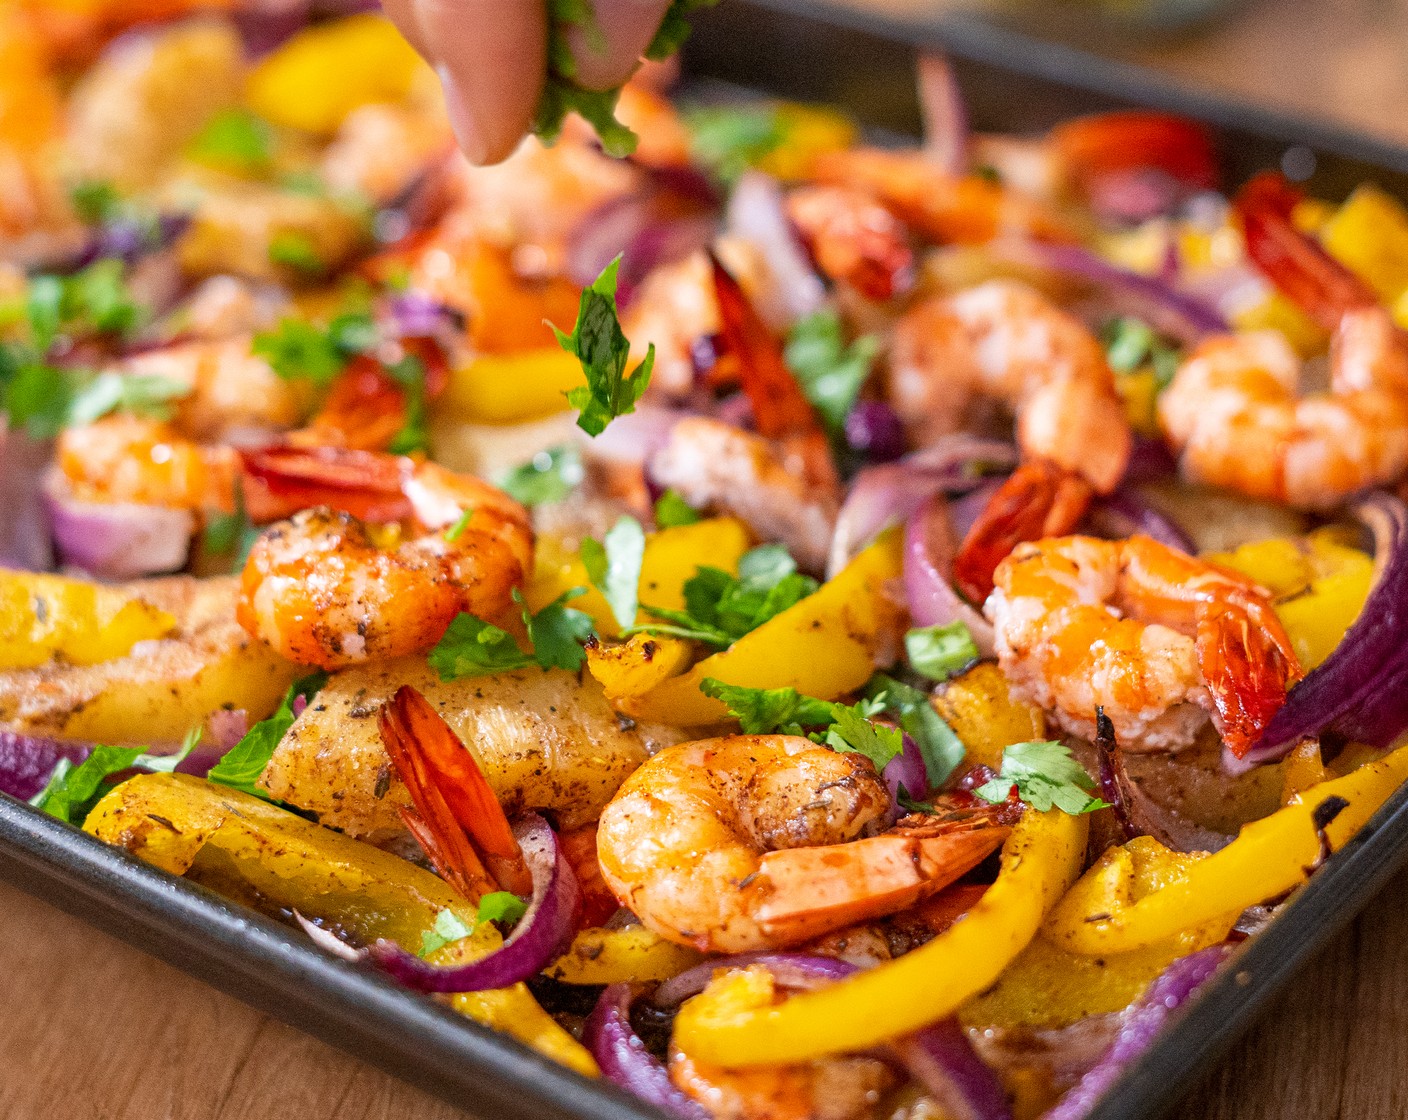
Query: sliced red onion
1149, 461
116, 540
326, 940
130, 239
797, 971
889, 494
929, 547
874, 429
1124, 513
756, 212
1167, 310
941, 1058
632, 439
26, 761
542, 931
1360, 692
1143, 1022
626, 1062
24, 529
417, 315
907, 774
944, 113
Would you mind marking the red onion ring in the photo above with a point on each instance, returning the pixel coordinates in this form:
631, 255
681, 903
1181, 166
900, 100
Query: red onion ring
116, 540
800, 971
906, 773
26, 761
756, 212
1360, 692
1167, 310
890, 493
542, 931
944, 113
941, 1058
929, 548
626, 1062
1143, 1022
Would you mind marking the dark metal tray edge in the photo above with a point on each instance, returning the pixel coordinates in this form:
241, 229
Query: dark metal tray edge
276, 970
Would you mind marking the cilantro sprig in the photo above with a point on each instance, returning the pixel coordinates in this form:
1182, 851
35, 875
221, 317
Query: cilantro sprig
940, 652
842, 727
1045, 775
720, 608
472, 647
496, 906
549, 476
830, 372
729, 139
243, 764
601, 346
72, 791
672, 511
939, 746
302, 351
614, 564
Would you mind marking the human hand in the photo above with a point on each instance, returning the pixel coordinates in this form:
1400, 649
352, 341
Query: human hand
491, 56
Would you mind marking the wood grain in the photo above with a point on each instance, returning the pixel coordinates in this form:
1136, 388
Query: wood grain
94, 1030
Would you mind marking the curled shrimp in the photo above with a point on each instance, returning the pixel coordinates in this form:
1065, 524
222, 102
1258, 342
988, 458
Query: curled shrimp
323, 590
1004, 341
1235, 416
1154, 637
756, 841
853, 238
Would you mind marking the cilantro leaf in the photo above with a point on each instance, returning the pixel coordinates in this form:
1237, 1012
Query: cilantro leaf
241, 766
72, 791
34, 396
299, 350
95, 201
1046, 775
235, 140
672, 511
729, 139
496, 906
409, 373
231, 533
940, 652
760, 711
1131, 344
613, 564
472, 647
851, 731
940, 748
602, 348
549, 476
558, 631
830, 372
140, 394
297, 251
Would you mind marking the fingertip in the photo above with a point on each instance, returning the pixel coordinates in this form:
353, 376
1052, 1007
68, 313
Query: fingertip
626, 29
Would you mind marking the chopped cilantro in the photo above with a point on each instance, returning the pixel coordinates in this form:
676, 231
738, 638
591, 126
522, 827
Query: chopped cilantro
672, 511
1045, 775
409, 373
940, 652
852, 731
613, 564
940, 748
231, 534
297, 251
135, 393
241, 766
547, 477
729, 139
496, 906
95, 201
72, 791
1131, 344
34, 396
501, 906
448, 927
472, 647
601, 347
234, 140
830, 372
300, 350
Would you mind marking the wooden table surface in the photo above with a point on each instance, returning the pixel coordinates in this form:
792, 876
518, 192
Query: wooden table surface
94, 1030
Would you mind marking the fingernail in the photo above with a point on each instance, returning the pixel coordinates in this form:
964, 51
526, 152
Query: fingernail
468, 132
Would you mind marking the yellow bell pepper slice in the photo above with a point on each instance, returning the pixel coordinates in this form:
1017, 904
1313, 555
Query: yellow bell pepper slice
634, 955
46, 616
1369, 236
1277, 313
983, 713
1040, 860
1320, 584
672, 556
807, 132
512, 388
1269, 857
324, 72
823, 646
258, 853
634, 667
1048, 986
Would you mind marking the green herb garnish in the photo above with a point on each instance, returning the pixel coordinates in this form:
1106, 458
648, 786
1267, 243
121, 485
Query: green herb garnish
472, 647
672, 511
72, 791
549, 476
613, 564
1045, 775
242, 765
940, 652
830, 372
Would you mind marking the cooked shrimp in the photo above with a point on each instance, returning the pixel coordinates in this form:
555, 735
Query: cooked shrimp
1005, 341
756, 841
775, 488
1155, 637
321, 591
853, 238
132, 459
1235, 415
